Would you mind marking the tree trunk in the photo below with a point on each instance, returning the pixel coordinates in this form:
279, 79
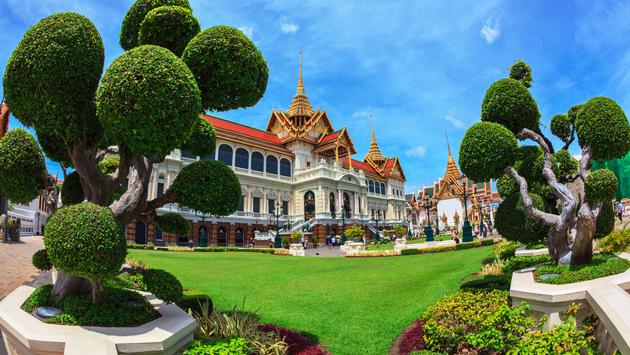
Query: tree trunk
97, 292
67, 285
583, 244
557, 244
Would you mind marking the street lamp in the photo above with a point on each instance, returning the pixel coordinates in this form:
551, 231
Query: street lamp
376, 218
466, 229
277, 243
428, 230
203, 235
344, 210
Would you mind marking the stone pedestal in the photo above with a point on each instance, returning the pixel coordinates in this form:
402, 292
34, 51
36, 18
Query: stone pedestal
351, 247
400, 241
296, 249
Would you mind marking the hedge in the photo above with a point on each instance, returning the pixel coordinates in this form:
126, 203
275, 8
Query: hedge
439, 249
204, 249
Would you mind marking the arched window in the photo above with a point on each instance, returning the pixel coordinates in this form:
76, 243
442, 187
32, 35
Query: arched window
346, 205
285, 167
332, 205
272, 164
225, 154
383, 189
371, 186
258, 161
221, 237
242, 158
377, 188
309, 205
240, 237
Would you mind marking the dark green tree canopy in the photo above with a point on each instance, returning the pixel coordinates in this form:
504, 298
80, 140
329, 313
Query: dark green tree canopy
171, 27
513, 223
509, 103
71, 190
163, 285
209, 187
229, 69
22, 167
600, 186
41, 261
136, 102
486, 150
85, 240
605, 221
573, 112
136, 14
202, 140
522, 72
173, 222
52, 75
530, 162
54, 148
602, 125
506, 186
561, 126
566, 165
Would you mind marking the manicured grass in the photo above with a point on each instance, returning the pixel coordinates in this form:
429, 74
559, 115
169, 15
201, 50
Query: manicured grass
390, 246
352, 306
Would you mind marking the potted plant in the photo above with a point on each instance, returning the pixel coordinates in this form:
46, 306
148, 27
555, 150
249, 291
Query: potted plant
355, 233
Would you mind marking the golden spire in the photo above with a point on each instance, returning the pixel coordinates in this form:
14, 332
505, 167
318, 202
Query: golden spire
374, 153
452, 174
300, 106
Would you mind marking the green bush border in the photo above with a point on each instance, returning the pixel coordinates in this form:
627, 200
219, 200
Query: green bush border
444, 248
201, 249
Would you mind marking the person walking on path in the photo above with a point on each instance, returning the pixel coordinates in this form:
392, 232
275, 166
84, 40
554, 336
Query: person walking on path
620, 211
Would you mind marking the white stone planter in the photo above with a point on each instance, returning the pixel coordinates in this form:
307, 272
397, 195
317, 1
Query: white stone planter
607, 297
424, 245
24, 334
296, 249
351, 247
522, 251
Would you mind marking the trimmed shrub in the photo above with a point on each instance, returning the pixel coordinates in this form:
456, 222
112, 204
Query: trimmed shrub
228, 67
602, 125
171, 27
616, 242
136, 105
163, 285
522, 262
192, 300
505, 251
202, 140
54, 147
561, 339
85, 240
41, 261
71, 190
53, 73
209, 187
235, 345
521, 72
509, 103
565, 164
487, 282
140, 246
22, 167
602, 265
298, 343
136, 14
600, 186
515, 225
561, 126
605, 223
173, 222
411, 340
506, 186
485, 151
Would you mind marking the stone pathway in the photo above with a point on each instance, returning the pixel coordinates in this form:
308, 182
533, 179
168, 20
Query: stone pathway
15, 264
324, 252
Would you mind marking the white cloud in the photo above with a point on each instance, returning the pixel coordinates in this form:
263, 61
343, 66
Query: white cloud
366, 112
418, 151
456, 122
577, 157
287, 26
491, 30
247, 31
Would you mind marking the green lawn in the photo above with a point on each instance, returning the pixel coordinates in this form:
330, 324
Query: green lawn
390, 246
352, 306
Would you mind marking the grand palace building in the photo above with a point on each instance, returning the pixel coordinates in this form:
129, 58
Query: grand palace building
300, 166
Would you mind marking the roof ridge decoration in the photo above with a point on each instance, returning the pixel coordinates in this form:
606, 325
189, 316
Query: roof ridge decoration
300, 106
374, 153
452, 175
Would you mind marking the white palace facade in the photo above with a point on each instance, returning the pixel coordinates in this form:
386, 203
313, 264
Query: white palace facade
299, 162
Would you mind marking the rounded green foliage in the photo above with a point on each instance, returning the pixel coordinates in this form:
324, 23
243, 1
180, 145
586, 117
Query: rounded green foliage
566, 165
41, 261
109, 165
163, 285
573, 112
509, 103
514, 224
22, 167
71, 190
522, 72
54, 148
506, 186
202, 140
137, 105
171, 27
600, 186
52, 75
528, 165
209, 187
561, 126
136, 14
602, 125
85, 240
486, 150
230, 71
605, 223
173, 222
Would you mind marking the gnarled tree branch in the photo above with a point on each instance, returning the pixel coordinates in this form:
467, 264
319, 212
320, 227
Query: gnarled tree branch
544, 217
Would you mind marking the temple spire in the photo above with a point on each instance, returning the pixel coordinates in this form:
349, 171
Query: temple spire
375, 152
300, 106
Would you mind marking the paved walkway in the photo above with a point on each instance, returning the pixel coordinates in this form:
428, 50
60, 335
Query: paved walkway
15, 264
324, 252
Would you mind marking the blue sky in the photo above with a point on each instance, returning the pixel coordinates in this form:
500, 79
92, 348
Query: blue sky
416, 67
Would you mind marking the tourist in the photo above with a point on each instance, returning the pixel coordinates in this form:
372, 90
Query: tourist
620, 211
329, 241
337, 239
302, 241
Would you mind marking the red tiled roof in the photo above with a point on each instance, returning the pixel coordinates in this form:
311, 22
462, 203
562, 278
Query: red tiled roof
4, 119
329, 137
242, 129
359, 165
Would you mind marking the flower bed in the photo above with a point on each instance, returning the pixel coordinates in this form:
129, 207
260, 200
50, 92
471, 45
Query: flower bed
298, 343
411, 340
602, 265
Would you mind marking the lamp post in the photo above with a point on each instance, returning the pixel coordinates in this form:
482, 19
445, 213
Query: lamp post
203, 237
428, 230
376, 219
466, 229
344, 209
277, 243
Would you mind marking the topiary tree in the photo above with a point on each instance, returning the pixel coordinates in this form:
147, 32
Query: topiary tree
573, 218
86, 240
113, 127
515, 225
41, 261
521, 72
173, 222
